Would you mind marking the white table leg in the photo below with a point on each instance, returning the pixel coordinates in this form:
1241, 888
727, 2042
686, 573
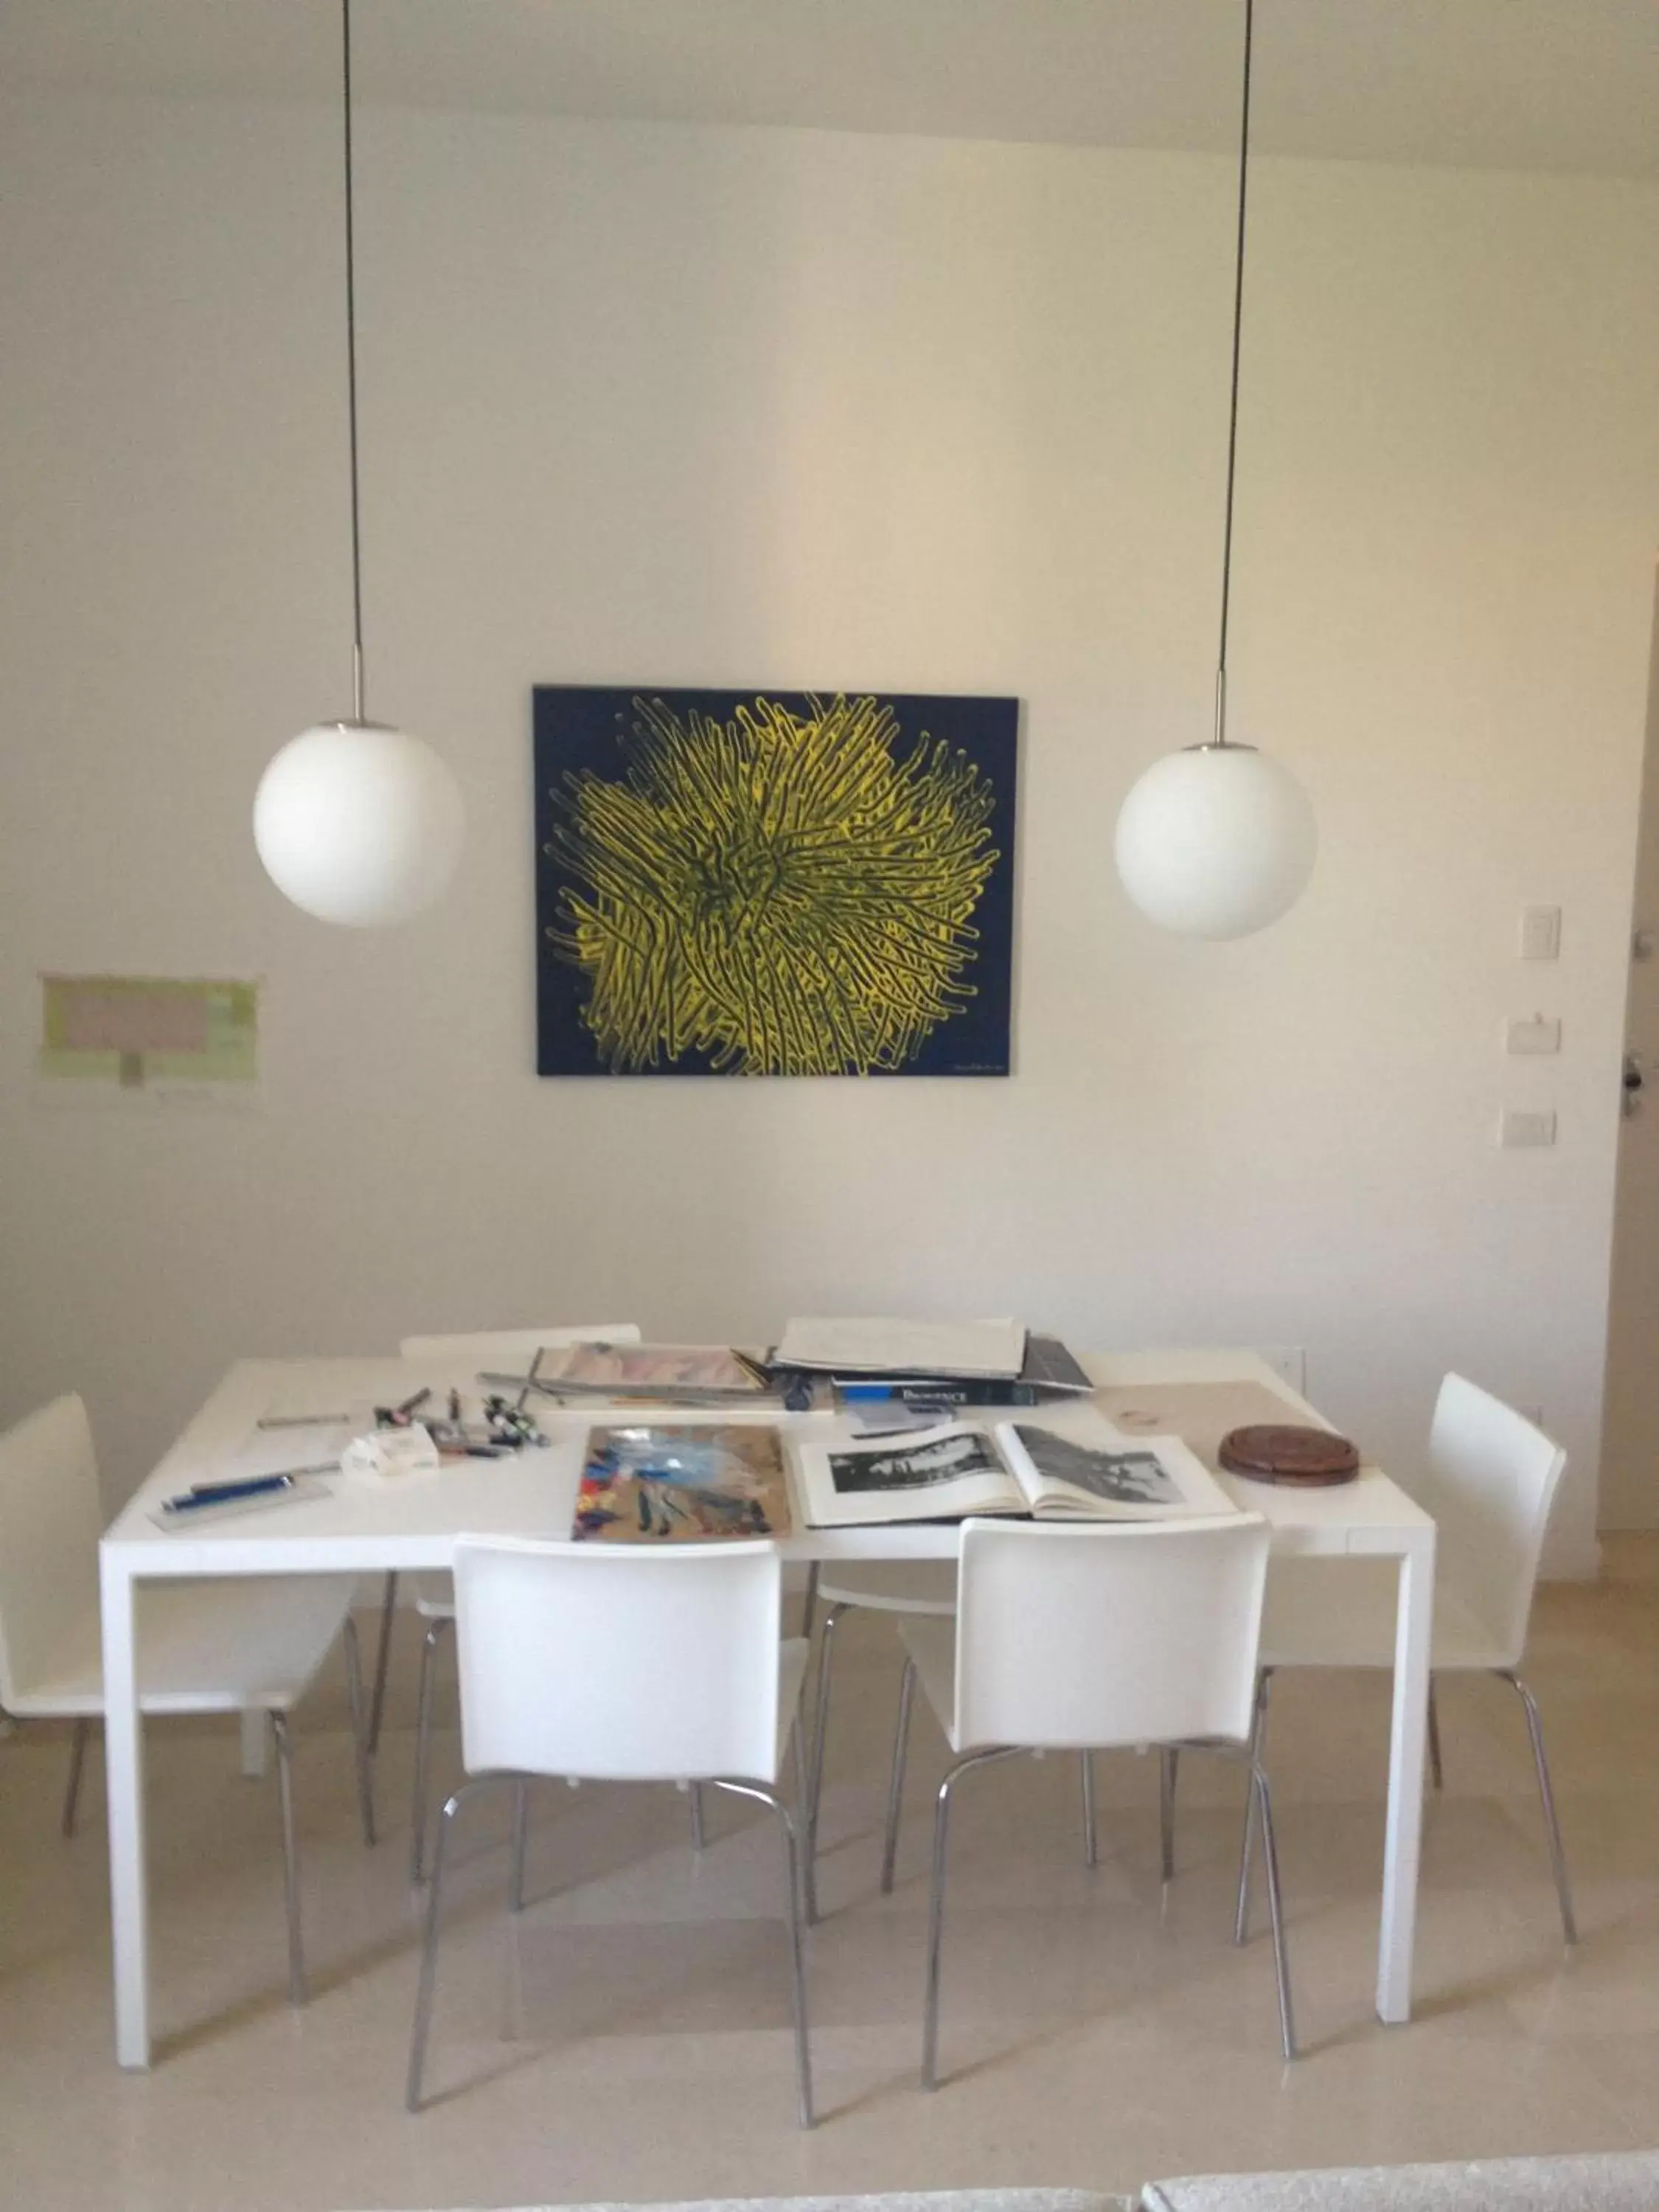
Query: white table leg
1413, 1620
124, 1761
256, 1738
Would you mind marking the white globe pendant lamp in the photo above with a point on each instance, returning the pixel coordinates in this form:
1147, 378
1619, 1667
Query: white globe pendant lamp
1219, 840
355, 821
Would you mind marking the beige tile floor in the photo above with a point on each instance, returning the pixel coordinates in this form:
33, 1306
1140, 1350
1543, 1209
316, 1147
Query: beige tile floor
628, 2037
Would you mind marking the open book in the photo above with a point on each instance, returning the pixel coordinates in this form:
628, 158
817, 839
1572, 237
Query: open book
1062, 1462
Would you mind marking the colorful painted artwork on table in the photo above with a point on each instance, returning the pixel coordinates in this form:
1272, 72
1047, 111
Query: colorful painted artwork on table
772, 883
691, 1484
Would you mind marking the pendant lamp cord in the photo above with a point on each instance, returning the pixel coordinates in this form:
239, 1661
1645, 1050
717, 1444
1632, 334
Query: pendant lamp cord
351, 380
1232, 407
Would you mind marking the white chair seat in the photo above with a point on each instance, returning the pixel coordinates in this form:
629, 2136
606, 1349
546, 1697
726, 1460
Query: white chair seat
202, 1648
1340, 1613
621, 1663
917, 1586
1073, 1638
221, 1647
509, 1351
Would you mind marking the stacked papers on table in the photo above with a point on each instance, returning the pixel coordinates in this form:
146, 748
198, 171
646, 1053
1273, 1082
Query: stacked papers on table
904, 1347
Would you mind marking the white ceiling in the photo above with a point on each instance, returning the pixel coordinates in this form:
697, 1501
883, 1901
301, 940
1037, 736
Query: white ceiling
1556, 84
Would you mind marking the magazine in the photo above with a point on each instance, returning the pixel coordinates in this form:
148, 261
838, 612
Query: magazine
1068, 1463
688, 1374
903, 1347
695, 1483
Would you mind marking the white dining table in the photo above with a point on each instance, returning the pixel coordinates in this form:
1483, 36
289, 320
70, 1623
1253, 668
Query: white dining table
374, 1524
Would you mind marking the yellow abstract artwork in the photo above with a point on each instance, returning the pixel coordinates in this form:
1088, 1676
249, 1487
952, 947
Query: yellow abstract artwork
774, 884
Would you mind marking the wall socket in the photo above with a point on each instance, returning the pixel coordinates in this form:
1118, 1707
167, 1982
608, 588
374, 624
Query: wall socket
1540, 933
1526, 1125
1539, 1035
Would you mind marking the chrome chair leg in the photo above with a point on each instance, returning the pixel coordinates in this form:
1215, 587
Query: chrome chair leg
435, 1636
1258, 1738
815, 1784
798, 1774
1259, 1791
1167, 1759
699, 1835
429, 1945
896, 1778
77, 1762
809, 1602
1437, 1770
296, 1962
791, 1869
520, 1842
936, 1903
1547, 1795
354, 1660
1090, 1833
382, 1660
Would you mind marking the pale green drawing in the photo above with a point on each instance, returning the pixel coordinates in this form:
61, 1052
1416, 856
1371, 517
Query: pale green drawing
137, 1031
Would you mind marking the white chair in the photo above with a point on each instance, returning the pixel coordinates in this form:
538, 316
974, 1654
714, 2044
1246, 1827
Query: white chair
501, 1351
913, 1589
228, 1647
619, 1664
1491, 1479
1086, 1638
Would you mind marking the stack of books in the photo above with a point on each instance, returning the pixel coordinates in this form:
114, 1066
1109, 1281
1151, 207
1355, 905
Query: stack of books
934, 1364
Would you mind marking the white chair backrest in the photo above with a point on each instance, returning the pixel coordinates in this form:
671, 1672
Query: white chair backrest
497, 1347
1142, 1633
51, 1518
619, 1663
1492, 1480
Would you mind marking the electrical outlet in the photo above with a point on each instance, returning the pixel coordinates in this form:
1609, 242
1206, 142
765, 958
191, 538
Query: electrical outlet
1540, 933
1539, 1035
1526, 1125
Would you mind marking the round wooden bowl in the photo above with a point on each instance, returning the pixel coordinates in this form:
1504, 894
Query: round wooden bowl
1309, 1459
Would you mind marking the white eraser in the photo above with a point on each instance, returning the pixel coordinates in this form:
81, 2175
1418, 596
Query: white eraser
391, 1452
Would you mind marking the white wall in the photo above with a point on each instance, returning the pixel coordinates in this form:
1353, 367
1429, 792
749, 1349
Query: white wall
1629, 1443
684, 406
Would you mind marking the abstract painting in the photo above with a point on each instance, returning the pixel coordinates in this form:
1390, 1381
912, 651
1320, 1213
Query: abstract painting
682, 1485
772, 883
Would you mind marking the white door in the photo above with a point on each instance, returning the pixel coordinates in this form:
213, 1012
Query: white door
1630, 1451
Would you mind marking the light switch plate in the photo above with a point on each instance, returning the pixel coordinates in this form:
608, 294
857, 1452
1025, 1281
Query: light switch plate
1526, 1125
1536, 1035
1540, 933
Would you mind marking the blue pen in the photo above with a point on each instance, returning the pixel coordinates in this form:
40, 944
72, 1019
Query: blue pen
224, 1493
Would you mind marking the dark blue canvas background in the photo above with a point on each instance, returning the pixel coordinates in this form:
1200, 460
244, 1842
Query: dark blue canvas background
580, 726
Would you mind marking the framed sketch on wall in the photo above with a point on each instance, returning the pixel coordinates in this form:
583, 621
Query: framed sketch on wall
772, 883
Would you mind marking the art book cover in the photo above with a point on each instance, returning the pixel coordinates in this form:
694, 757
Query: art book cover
645, 1367
691, 1484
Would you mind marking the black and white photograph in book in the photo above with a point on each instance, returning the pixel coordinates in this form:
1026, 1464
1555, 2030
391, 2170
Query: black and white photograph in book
915, 1467
1131, 1477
